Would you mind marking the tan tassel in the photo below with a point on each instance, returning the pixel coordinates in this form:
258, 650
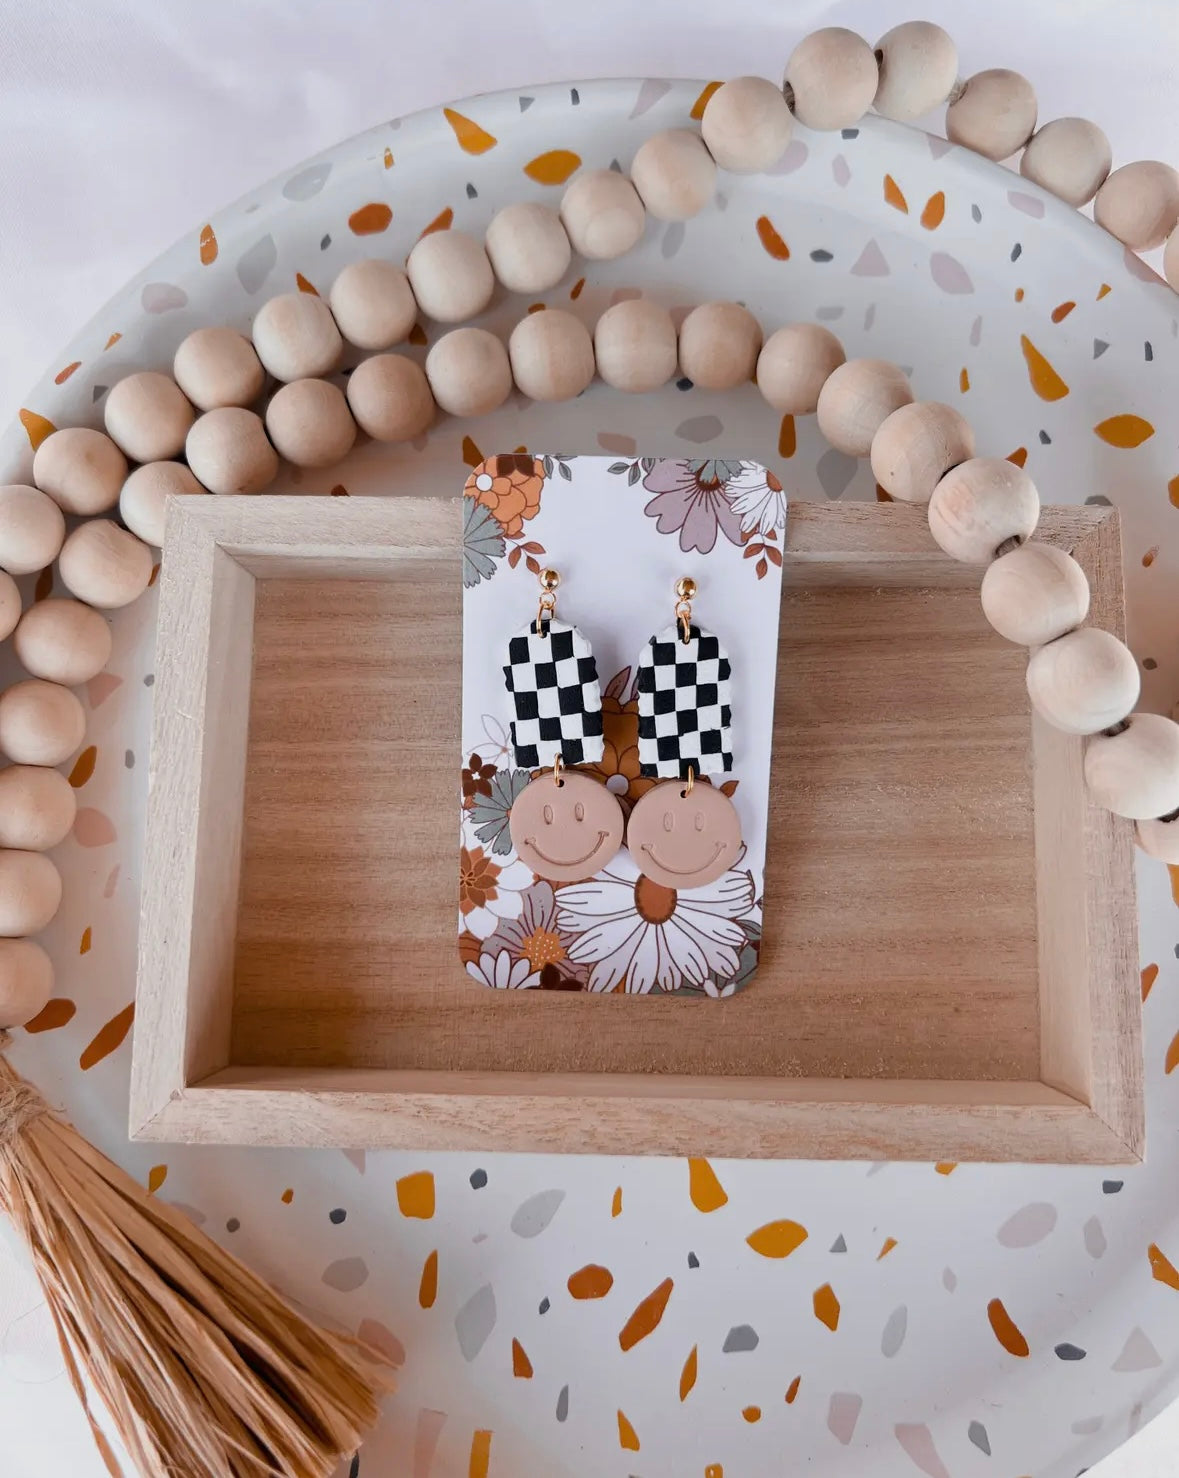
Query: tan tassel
205, 1370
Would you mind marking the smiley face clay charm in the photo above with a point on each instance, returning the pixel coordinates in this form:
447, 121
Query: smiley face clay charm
565, 828
684, 838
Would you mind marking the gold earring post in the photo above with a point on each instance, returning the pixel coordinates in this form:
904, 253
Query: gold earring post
549, 580
685, 590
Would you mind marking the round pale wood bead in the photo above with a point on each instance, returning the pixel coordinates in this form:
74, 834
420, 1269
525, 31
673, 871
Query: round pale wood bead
296, 337
37, 807
373, 304
390, 398
229, 452
9, 604
719, 345
831, 78
1136, 773
147, 416
217, 367
1170, 264
1159, 839
1139, 204
528, 247
635, 345
450, 275
1083, 682
1034, 594
30, 892
981, 504
552, 355
26, 981
104, 565
794, 364
40, 723
469, 372
918, 68
916, 446
143, 503
82, 470
63, 641
855, 400
309, 423
31, 529
995, 114
747, 125
674, 174
602, 214
1070, 157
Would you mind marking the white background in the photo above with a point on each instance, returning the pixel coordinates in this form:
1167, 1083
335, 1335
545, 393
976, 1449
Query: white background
124, 125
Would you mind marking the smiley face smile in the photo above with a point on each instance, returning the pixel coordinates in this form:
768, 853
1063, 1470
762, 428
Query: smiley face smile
573, 861
684, 872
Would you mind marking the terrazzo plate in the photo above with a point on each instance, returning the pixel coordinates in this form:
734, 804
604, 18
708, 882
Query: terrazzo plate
572, 1316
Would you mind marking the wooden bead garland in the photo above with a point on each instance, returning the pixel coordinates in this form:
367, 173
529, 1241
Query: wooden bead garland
1139, 204
856, 399
296, 337
147, 416
1135, 773
528, 247
1071, 157
373, 304
30, 892
41, 723
980, 507
37, 807
552, 355
1084, 681
469, 372
794, 364
32, 527
9, 605
602, 214
81, 470
635, 345
994, 115
746, 125
229, 452
63, 641
916, 446
104, 565
26, 980
831, 79
1033, 594
674, 174
309, 423
143, 501
217, 367
390, 398
719, 345
1159, 839
918, 68
450, 275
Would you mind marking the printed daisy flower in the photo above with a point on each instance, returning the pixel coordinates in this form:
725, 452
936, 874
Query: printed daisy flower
756, 496
638, 935
693, 500
535, 937
489, 891
501, 972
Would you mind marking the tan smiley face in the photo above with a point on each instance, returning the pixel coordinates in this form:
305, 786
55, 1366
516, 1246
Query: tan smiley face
565, 830
682, 840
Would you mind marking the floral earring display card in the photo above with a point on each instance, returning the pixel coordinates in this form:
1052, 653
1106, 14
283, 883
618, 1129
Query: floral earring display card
620, 534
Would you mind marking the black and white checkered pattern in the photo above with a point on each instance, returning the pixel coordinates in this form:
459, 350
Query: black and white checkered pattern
553, 680
685, 717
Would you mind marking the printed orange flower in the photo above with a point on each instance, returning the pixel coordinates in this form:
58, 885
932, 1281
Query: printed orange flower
509, 488
618, 769
478, 876
477, 778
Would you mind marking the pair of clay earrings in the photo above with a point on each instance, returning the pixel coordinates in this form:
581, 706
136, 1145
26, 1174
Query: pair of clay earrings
566, 826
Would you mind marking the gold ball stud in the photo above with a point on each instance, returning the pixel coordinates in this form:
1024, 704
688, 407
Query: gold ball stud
685, 588
549, 580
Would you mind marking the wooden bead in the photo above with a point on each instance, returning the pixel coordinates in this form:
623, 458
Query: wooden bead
216, 367
26, 981
747, 125
719, 344
1139, 204
37, 807
794, 365
104, 565
552, 355
229, 452
9, 604
602, 214
995, 114
635, 345
831, 78
1170, 265
31, 529
30, 892
918, 68
1083, 682
390, 398
63, 641
856, 398
981, 504
1159, 839
450, 275
81, 470
916, 446
528, 247
143, 503
469, 372
40, 723
309, 423
1136, 773
674, 174
295, 337
1070, 157
373, 304
1033, 594
147, 416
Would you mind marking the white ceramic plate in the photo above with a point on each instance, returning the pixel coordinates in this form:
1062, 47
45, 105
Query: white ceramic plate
946, 269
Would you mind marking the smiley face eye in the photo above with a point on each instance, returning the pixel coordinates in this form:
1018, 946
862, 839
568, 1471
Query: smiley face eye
579, 812
699, 820
669, 821
548, 815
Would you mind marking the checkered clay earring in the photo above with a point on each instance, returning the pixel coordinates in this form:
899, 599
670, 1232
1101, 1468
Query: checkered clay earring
564, 826
683, 834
